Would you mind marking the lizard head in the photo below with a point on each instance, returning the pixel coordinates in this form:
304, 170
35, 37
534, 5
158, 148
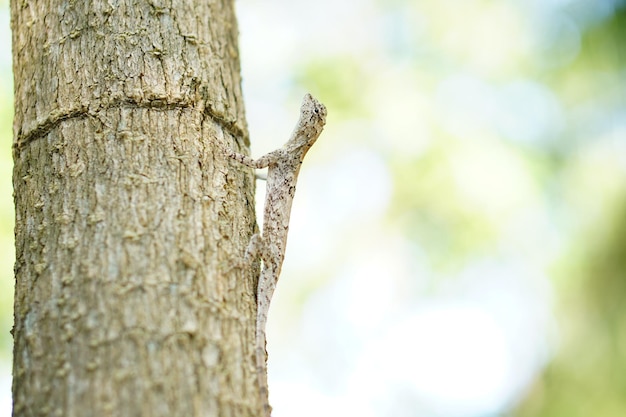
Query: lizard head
312, 111
311, 123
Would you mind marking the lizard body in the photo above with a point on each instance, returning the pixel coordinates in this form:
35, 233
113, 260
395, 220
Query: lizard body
283, 168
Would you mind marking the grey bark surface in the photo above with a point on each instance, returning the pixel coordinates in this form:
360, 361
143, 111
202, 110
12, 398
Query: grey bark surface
128, 217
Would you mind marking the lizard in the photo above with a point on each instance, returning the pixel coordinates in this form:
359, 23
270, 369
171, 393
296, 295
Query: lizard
283, 167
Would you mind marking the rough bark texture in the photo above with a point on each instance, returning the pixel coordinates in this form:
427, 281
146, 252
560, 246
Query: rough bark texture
128, 218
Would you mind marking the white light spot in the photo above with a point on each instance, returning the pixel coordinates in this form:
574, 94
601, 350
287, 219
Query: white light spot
455, 359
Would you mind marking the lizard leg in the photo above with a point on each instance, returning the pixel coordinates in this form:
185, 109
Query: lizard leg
262, 162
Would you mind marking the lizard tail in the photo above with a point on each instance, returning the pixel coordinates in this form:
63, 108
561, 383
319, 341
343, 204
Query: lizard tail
261, 370
264, 294
261, 363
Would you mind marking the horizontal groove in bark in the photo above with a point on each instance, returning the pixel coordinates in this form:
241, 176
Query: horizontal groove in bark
102, 55
43, 127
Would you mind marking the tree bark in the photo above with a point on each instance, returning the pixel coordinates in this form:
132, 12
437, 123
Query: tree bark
129, 220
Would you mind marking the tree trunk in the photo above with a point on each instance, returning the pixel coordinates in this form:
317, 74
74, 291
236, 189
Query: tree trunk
129, 220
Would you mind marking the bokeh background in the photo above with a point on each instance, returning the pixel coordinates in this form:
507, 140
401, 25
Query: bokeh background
458, 242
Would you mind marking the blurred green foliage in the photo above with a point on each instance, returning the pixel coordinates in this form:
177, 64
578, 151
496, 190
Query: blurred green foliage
530, 158
588, 375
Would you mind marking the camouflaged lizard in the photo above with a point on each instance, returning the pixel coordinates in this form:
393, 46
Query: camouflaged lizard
283, 168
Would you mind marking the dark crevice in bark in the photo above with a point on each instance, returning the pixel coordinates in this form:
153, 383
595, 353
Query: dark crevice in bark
56, 117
